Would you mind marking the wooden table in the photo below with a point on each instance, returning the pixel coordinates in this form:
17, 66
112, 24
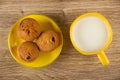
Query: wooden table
70, 65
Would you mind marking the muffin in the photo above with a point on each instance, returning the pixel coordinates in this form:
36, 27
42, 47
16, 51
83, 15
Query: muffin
28, 51
29, 29
48, 40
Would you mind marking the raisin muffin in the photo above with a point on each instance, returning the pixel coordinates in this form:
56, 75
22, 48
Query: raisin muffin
28, 51
29, 29
48, 40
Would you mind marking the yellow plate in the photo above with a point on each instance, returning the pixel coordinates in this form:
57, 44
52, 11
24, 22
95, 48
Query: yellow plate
44, 58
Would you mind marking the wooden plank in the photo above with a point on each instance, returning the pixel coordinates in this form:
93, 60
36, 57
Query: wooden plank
70, 65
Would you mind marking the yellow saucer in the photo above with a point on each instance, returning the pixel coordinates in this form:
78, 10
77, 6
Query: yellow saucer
44, 58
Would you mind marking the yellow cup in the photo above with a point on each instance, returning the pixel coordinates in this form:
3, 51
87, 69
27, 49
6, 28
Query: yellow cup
100, 53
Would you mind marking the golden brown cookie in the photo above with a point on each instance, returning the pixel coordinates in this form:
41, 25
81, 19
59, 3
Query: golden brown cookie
48, 40
29, 29
28, 51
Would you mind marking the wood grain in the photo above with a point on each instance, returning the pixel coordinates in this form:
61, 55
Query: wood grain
70, 65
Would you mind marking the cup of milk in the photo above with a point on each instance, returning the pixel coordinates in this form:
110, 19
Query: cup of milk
90, 34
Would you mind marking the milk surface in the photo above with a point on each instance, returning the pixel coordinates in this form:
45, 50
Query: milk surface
90, 34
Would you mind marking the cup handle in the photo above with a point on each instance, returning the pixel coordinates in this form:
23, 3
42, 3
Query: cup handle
103, 58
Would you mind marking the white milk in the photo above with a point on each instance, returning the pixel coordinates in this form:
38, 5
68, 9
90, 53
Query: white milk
90, 34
